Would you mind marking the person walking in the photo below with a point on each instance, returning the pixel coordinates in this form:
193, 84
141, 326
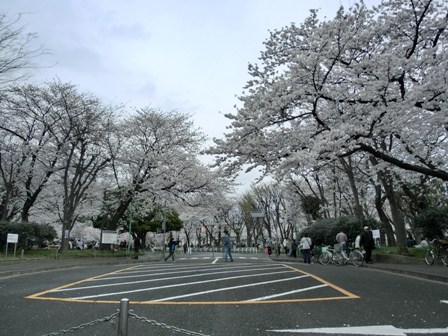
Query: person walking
136, 247
305, 244
357, 240
294, 249
367, 243
342, 239
227, 246
172, 247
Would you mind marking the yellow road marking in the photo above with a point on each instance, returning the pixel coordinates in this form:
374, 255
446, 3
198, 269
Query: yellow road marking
37, 295
339, 289
347, 294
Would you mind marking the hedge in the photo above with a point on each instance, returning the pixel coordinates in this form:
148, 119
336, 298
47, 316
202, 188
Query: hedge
30, 234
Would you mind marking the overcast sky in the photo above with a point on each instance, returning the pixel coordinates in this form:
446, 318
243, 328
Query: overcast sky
188, 55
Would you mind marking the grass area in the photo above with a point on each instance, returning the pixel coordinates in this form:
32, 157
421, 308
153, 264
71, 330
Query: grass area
413, 252
70, 254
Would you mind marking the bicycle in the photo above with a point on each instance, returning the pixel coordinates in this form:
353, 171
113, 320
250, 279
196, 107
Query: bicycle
436, 250
355, 257
328, 256
339, 257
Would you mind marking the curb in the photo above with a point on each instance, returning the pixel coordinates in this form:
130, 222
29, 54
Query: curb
422, 275
389, 261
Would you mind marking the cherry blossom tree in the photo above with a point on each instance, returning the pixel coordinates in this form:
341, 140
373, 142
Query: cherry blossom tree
156, 152
26, 126
59, 135
368, 81
16, 52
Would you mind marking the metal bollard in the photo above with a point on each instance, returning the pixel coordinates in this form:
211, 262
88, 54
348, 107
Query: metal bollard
123, 318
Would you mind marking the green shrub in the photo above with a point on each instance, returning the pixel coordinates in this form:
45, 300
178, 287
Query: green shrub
324, 231
432, 222
30, 234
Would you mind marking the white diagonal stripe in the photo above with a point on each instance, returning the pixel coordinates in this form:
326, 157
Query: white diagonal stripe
227, 288
287, 293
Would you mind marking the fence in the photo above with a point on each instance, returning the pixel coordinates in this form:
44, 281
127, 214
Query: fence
246, 250
123, 315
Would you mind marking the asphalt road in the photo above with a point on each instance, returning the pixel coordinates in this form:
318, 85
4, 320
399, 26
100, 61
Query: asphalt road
205, 296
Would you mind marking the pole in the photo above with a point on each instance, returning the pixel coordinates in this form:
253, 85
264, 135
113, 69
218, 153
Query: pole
164, 229
123, 318
130, 228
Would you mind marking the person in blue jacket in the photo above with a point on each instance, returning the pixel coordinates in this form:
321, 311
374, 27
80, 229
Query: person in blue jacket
227, 246
172, 247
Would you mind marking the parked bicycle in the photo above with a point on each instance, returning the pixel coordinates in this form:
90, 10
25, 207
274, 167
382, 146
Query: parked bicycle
326, 256
338, 256
436, 250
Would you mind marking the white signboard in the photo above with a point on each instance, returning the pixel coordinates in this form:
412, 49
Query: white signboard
376, 234
12, 238
257, 214
109, 237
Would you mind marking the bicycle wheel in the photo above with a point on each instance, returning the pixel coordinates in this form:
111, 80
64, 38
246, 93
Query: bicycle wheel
346, 258
338, 258
357, 258
429, 257
444, 258
324, 258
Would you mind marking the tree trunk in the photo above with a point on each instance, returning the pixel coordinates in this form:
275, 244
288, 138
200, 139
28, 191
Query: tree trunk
357, 207
397, 216
386, 225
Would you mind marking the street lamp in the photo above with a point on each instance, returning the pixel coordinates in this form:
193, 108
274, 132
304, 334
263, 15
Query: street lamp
161, 218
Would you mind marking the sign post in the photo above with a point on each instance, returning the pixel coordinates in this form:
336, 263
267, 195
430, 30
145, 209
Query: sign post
376, 236
109, 237
257, 215
12, 238
160, 217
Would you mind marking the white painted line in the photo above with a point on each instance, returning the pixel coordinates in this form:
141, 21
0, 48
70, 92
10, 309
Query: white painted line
227, 288
215, 261
152, 273
172, 286
264, 298
170, 271
427, 331
366, 330
67, 289
444, 301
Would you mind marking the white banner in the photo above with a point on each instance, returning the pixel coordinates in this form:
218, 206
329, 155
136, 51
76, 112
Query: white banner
376, 234
12, 238
109, 237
